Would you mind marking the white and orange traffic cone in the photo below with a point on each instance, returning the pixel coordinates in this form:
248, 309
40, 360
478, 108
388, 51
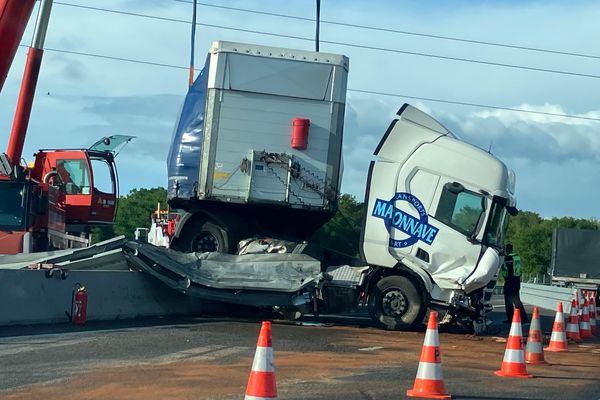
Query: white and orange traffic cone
592, 303
429, 382
585, 330
261, 384
513, 364
573, 324
534, 351
558, 340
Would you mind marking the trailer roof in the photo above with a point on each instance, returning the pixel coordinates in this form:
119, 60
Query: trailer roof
220, 46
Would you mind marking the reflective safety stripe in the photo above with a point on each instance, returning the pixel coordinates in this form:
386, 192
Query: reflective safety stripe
431, 338
516, 259
572, 328
574, 312
534, 347
516, 264
558, 337
514, 356
429, 371
263, 360
585, 326
559, 318
258, 398
515, 330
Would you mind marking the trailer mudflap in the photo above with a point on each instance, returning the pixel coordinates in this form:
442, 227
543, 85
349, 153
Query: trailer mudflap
252, 279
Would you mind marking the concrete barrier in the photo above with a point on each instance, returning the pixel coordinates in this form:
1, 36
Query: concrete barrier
31, 296
547, 297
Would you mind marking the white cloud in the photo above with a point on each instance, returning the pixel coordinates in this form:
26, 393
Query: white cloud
539, 138
555, 159
534, 117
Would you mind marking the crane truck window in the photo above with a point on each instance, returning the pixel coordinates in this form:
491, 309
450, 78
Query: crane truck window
459, 210
12, 204
74, 176
103, 180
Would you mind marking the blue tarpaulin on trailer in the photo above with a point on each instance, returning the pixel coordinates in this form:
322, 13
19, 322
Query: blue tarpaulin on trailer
185, 154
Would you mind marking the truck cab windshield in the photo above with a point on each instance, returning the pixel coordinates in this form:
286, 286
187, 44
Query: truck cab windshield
13, 205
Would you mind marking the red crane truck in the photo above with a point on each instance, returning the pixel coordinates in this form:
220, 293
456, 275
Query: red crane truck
54, 201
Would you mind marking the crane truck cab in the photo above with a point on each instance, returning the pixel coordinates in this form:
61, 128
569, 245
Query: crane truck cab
436, 216
54, 202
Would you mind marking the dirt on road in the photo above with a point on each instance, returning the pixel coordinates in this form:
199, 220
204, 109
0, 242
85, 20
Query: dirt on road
361, 363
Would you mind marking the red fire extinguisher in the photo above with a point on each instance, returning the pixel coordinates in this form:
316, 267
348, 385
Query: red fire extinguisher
79, 305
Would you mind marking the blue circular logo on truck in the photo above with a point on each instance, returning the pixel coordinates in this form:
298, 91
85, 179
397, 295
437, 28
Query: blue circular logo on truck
395, 218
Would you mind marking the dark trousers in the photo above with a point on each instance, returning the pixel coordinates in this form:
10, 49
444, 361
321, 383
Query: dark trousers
511, 297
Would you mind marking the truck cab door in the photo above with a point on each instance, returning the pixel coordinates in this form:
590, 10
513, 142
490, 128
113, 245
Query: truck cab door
104, 187
459, 213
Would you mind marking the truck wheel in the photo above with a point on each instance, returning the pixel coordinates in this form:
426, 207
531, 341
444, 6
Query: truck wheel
395, 303
209, 238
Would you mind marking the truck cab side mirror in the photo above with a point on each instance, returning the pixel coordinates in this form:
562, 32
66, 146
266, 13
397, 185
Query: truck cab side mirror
512, 211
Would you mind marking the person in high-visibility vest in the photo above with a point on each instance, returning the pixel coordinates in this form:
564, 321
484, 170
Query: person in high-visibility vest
511, 272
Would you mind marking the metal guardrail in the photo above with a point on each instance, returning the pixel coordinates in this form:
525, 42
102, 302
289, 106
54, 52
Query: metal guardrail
546, 296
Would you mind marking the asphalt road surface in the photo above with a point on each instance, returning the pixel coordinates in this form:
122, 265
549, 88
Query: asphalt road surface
327, 358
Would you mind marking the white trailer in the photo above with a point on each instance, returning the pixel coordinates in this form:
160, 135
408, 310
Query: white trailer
259, 141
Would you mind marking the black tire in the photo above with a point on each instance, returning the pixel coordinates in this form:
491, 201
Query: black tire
209, 238
204, 237
396, 304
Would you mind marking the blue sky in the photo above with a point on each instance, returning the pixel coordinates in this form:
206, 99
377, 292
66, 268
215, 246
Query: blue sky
557, 160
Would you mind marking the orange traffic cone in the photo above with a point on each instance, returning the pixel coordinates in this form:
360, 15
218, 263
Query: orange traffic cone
593, 327
429, 382
534, 351
513, 364
584, 323
261, 384
573, 325
558, 340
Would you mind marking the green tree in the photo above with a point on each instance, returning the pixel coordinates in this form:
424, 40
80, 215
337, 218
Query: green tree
133, 211
531, 237
342, 232
136, 208
531, 240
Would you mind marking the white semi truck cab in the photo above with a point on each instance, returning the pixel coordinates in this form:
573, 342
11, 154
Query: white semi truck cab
436, 216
